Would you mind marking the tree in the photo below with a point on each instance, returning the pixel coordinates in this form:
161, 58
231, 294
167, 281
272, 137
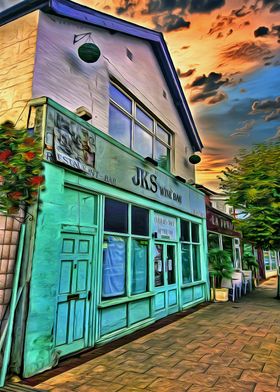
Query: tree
253, 186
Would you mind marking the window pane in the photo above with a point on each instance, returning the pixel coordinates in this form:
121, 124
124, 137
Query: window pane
171, 264
163, 135
213, 241
196, 263
114, 261
162, 155
139, 221
144, 118
120, 98
186, 263
143, 142
115, 216
195, 232
119, 126
185, 230
139, 269
159, 265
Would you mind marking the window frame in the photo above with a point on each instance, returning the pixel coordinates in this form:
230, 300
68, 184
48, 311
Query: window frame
134, 121
192, 244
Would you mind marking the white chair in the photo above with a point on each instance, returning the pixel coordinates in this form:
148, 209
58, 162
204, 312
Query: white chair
237, 282
248, 279
227, 283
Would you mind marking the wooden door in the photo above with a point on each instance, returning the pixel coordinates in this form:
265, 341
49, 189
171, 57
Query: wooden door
165, 283
74, 295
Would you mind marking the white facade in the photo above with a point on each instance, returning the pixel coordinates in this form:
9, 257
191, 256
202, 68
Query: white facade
60, 74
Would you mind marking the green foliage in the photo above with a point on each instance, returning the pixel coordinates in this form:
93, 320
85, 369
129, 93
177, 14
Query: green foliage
220, 265
253, 186
249, 261
20, 168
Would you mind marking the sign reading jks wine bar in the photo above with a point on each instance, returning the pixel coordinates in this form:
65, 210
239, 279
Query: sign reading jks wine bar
82, 149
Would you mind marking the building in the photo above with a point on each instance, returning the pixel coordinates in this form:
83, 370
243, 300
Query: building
119, 238
221, 232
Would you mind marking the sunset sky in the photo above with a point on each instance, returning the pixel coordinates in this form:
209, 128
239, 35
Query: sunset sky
227, 55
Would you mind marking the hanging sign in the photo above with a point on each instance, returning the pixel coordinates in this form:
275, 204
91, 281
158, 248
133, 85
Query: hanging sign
74, 145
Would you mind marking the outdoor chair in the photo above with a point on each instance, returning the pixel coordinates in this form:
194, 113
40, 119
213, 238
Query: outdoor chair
227, 283
237, 280
248, 278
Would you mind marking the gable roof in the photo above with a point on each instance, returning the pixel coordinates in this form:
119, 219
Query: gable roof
68, 9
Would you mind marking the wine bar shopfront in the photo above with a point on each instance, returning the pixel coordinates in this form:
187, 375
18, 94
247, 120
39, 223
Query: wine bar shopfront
119, 243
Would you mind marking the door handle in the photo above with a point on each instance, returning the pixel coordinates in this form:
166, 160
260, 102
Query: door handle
89, 295
71, 297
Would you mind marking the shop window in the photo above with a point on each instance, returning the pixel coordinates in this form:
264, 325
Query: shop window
186, 263
185, 231
227, 245
196, 263
116, 216
114, 262
213, 240
139, 221
191, 260
138, 130
139, 266
195, 232
124, 225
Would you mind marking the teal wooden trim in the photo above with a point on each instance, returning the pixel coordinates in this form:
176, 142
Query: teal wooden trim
205, 259
124, 331
78, 229
128, 260
192, 284
13, 303
95, 186
123, 300
194, 303
91, 128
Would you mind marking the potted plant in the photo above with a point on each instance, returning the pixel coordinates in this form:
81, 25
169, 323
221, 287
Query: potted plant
250, 263
220, 267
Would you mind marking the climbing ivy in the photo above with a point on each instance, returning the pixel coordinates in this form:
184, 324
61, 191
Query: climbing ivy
20, 168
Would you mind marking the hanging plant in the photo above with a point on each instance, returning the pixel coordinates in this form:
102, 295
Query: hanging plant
20, 168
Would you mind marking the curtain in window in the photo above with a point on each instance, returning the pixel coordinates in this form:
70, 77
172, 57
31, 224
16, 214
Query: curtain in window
139, 258
114, 260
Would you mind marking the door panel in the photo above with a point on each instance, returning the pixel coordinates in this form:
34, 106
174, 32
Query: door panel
73, 293
166, 298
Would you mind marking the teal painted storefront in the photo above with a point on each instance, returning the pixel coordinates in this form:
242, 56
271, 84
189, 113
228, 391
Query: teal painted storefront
71, 306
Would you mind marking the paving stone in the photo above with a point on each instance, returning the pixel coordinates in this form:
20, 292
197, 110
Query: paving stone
259, 377
231, 384
172, 373
265, 388
165, 385
135, 379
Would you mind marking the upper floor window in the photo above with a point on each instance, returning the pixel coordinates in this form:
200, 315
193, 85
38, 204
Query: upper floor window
132, 126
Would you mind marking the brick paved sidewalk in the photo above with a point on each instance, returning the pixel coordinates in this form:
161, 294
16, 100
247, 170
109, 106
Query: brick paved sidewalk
223, 347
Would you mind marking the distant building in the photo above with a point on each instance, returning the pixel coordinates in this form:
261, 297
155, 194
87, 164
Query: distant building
221, 232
